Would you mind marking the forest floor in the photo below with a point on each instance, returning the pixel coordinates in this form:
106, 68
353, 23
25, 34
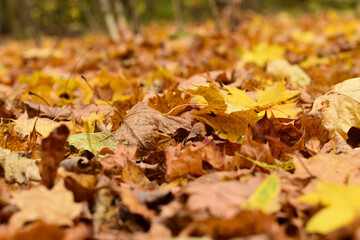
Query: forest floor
192, 134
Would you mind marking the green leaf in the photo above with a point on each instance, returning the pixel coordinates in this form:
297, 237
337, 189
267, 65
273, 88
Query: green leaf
265, 197
93, 142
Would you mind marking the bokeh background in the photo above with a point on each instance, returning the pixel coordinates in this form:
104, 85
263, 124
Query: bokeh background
23, 19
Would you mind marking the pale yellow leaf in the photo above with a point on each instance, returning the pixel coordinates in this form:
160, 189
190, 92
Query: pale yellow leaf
55, 206
340, 107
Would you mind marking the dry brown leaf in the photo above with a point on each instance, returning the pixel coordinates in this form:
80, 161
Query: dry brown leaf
331, 168
137, 127
220, 199
18, 169
55, 206
120, 158
190, 160
38, 230
340, 107
53, 152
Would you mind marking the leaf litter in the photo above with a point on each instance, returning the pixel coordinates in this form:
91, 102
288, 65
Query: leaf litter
241, 135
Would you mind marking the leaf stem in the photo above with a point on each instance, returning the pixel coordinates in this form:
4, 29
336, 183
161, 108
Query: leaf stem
187, 105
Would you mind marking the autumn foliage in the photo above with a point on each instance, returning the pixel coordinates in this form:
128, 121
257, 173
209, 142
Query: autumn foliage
192, 134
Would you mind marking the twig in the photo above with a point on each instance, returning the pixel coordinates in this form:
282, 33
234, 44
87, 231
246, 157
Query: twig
36, 95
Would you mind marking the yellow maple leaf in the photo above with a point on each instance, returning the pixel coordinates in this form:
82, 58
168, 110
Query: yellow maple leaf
341, 204
278, 100
44, 126
90, 121
55, 206
262, 53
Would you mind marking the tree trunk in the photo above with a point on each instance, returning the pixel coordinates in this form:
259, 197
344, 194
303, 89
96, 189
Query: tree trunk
177, 14
109, 20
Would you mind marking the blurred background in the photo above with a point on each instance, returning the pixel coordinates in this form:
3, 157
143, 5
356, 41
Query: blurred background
23, 19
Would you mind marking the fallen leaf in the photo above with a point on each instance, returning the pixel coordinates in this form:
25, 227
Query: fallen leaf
137, 127
120, 158
52, 153
190, 160
38, 230
55, 206
43, 126
293, 73
93, 142
18, 169
333, 168
229, 126
220, 199
339, 107
265, 197
262, 53
40, 110
341, 206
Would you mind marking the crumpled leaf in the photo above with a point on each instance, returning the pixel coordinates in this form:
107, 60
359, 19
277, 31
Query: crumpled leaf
293, 73
18, 169
190, 160
341, 204
265, 197
119, 158
137, 127
93, 142
55, 206
340, 107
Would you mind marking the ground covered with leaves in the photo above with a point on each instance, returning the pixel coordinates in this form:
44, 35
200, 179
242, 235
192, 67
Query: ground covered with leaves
185, 134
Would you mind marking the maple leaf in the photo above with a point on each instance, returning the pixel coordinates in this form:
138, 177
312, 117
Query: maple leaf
55, 206
277, 99
262, 53
341, 206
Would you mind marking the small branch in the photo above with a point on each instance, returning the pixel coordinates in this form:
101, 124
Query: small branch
94, 91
